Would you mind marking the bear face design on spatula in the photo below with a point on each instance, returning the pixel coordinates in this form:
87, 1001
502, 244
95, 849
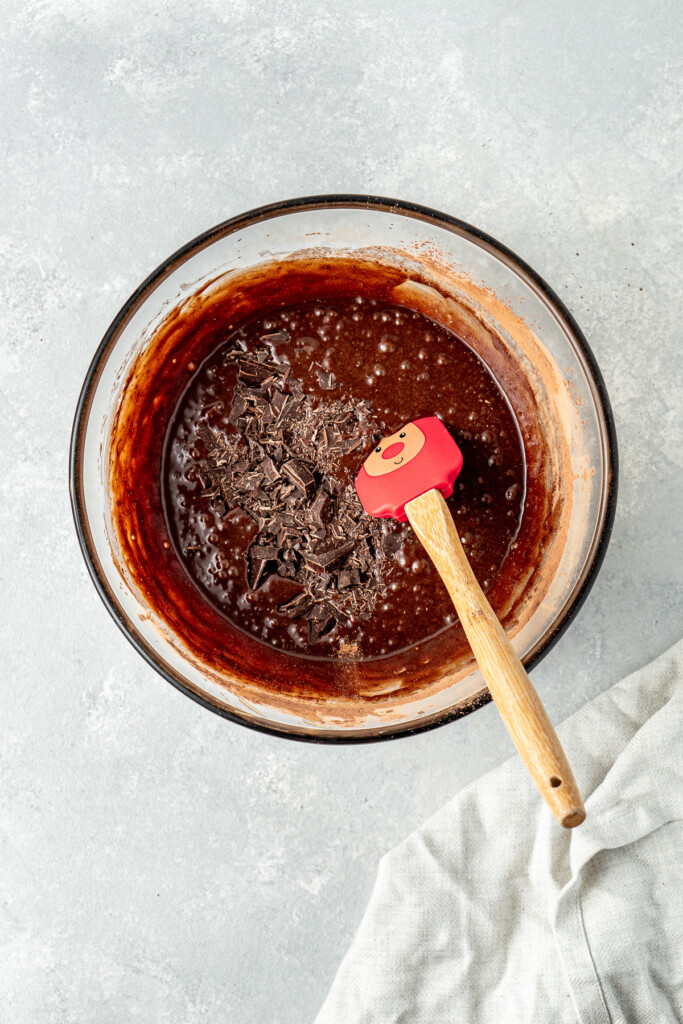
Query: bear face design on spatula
420, 456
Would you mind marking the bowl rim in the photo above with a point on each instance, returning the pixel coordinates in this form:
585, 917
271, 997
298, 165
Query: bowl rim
415, 211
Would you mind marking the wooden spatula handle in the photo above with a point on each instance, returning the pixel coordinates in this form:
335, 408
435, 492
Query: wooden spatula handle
518, 703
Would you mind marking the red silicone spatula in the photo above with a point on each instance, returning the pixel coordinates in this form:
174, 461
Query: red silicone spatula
407, 477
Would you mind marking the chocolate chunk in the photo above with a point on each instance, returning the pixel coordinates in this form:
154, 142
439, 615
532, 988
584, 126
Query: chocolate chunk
297, 606
320, 584
287, 533
254, 373
328, 559
250, 481
265, 551
278, 403
391, 543
348, 525
218, 447
233, 350
317, 630
348, 578
277, 451
350, 446
363, 553
267, 416
321, 507
291, 411
255, 397
262, 563
301, 477
320, 612
277, 338
238, 407
269, 470
227, 493
256, 451
321, 621
206, 434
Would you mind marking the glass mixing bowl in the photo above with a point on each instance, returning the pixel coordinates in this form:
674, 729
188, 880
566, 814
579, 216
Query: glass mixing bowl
493, 288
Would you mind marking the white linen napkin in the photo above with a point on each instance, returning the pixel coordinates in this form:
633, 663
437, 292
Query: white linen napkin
493, 914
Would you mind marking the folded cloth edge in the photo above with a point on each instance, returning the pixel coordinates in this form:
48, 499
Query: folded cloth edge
556, 855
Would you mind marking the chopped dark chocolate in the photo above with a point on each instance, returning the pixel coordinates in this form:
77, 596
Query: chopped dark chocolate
255, 449
319, 512
391, 543
218, 447
266, 416
278, 402
328, 559
239, 406
299, 475
348, 578
262, 562
253, 372
250, 481
287, 534
311, 527
269, 470
290, 411
320, 584
321, 620
276, 338
297, 606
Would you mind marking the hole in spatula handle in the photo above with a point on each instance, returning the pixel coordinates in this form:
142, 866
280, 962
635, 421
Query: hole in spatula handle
555, 782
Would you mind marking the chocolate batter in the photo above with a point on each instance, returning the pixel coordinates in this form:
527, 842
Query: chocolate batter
350, 331
378, 365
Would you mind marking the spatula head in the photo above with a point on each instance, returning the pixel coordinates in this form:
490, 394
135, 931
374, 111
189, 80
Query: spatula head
420, 456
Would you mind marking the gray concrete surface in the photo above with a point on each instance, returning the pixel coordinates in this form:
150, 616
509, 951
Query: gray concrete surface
157, 863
